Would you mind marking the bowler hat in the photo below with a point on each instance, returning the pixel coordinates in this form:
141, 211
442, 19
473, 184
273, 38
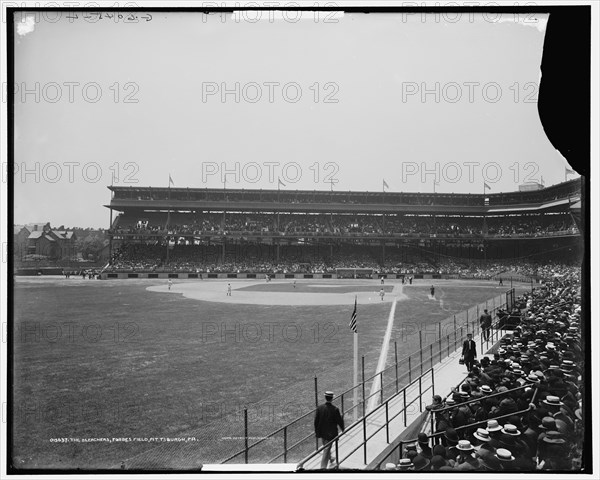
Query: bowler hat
439, 450
489, 460
451, 435
420, 462
548, 423
438, 461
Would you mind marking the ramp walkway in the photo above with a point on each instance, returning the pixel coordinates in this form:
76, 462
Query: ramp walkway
366, 438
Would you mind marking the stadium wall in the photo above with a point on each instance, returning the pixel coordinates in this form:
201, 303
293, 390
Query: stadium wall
283, 276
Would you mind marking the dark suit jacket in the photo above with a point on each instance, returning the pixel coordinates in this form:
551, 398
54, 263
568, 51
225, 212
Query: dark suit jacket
485, 320
469, 352
327, 420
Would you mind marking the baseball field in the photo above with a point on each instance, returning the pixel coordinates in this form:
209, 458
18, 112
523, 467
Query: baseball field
134, 374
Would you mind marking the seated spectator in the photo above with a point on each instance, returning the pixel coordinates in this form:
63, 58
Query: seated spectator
421, 464
425, 449
405, 465
481, 441
466, 460
438, 462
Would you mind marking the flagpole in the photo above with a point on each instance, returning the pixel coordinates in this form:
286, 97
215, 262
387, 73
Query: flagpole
168, 218
354, 327
383, 184
356, 375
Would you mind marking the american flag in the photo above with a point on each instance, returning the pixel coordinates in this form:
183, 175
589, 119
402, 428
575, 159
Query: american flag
352, 325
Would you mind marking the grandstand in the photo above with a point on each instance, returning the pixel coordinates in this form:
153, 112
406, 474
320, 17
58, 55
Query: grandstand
158, 232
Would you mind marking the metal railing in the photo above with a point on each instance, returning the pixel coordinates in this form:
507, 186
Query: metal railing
297, 437
436, 437
384, 407
345, 402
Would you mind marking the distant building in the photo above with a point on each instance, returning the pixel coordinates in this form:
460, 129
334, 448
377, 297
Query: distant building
41, 239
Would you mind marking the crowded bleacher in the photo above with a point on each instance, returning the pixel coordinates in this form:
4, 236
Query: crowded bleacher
206, 230
135, 257
521, 408
317, 224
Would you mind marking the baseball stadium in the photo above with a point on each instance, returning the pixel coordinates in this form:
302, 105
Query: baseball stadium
207, 340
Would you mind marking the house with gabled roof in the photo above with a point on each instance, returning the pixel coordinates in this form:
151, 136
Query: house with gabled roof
41, 239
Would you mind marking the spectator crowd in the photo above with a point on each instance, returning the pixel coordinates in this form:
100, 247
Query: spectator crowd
152, 257
286, 224
521, 408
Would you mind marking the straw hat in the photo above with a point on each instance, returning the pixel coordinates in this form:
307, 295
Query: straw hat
509, 429
504, 455
465, 446
482, 434
553, 401
553, 436
493, 426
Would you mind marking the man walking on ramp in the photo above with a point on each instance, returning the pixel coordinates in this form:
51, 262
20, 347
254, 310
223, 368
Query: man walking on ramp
469, 351
327, 421
485, 322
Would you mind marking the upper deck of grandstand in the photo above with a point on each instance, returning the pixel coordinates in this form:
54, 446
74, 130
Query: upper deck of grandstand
157, 198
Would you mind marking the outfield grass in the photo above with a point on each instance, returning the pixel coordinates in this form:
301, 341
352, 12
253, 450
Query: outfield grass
110, 359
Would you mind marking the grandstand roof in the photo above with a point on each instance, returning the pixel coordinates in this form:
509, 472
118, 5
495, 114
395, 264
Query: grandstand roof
161, 198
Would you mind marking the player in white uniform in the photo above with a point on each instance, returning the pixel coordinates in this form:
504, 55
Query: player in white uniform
170, 283
229, 289
382, 294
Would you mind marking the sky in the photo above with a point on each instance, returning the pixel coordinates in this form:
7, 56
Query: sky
302, 103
